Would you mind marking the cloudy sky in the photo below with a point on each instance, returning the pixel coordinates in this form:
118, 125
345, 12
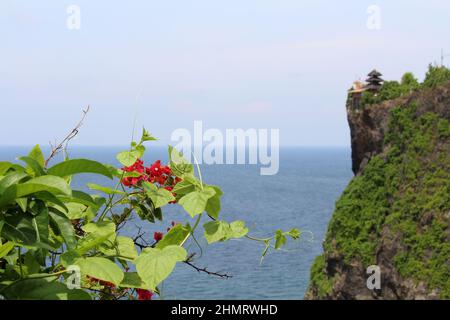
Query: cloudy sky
232, 64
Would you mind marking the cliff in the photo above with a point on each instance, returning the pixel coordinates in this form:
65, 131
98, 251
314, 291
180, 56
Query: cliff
395, 213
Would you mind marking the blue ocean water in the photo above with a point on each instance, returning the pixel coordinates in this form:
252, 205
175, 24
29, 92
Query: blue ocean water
301, 195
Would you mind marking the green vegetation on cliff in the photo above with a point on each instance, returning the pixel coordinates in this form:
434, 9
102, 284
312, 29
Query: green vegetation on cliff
435, 76
402, 192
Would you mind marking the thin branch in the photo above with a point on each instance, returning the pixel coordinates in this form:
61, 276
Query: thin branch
211, 273
139, 236
57, 148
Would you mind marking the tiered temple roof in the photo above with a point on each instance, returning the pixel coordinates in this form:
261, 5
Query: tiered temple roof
374, 82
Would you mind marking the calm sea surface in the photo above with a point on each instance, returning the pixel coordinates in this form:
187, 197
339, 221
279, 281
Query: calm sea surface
301, 195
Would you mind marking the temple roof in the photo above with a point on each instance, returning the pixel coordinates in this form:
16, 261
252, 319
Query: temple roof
374, 73
374, 79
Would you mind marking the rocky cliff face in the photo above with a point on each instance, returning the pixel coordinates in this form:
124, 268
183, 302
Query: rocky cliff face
395, 213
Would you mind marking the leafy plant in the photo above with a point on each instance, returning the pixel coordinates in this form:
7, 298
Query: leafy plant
436, 75
61, 243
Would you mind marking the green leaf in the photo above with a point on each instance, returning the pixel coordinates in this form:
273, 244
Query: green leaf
221, 231
132, 280
215, 231
195, 202
154, 265
122, 246
49, 183
68, 258
175, 236
100, 227
178, 164
22, 202
160, 196
4, 167
33, 167
11, 179
51, 199
75, 166
36, 154
294, 233
280, 239
213, 204
40, 223
31, 265
128, 158
237, 230
6, 248
146, 136
52, 184
100, 268
79, 197
98, 233
19, 229
103, 189
65, 227
43, 289
76, 211
184, 187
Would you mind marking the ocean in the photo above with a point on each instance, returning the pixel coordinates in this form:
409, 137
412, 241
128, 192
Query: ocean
301, 195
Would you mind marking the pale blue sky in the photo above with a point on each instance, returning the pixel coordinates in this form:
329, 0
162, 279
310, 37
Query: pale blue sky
233, 64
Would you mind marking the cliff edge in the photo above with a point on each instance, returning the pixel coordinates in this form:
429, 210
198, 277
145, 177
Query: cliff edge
395, 213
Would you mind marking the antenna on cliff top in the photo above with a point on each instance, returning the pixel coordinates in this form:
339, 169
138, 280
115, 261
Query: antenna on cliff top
443, 56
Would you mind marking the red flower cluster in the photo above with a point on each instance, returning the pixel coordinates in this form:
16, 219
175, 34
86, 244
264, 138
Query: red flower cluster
156, 173
144, 294
158, 236
138, 167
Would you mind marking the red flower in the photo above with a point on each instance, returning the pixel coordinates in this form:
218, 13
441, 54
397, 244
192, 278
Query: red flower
130, 181
161, 180
138, 166
166, 170
158, 236
144, 294
155, 169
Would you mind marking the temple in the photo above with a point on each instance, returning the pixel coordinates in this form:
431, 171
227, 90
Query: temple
373, 84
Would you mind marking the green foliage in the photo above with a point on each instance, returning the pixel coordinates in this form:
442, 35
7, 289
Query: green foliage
222, 231
195, 202
127, 158
176, 236
394, 89
71, 167
48, 229
404, 193
435, 76
160, 197
322, 284
154, 264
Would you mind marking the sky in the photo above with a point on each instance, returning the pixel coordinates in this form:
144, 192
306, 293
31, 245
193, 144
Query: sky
231, 64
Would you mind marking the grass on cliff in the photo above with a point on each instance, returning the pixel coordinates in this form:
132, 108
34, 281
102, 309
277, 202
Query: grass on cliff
405, 194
